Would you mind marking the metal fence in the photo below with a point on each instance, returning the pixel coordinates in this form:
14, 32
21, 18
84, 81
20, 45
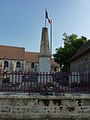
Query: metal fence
45, 83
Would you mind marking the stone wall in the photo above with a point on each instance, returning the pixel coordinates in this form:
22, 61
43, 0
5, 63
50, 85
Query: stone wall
29, 69
81, 64
24, 107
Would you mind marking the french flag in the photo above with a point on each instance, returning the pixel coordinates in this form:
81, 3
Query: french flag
48, 17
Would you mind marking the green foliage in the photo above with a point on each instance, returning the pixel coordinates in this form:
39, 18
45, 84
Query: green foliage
71, 44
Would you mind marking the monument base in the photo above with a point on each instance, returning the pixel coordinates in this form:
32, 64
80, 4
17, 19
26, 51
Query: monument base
45, 64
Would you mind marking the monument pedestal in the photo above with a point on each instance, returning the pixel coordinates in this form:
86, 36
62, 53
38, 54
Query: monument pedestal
45, 64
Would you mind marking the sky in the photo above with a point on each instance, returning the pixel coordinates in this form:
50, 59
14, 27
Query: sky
21, 21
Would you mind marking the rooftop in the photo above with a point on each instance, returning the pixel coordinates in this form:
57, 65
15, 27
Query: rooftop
19, 53
9, 52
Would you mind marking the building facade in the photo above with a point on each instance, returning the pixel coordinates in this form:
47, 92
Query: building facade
17, 59
12, 58
80, 62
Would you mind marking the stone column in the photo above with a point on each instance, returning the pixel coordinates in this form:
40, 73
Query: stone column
45, 56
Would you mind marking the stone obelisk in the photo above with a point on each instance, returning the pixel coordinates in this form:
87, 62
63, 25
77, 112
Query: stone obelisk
45, 56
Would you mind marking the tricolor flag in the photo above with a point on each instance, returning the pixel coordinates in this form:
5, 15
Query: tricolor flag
50, 22
48, 17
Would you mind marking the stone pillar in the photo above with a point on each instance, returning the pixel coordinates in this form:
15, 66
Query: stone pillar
45, 56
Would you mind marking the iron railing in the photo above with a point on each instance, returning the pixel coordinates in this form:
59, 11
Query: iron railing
45, 83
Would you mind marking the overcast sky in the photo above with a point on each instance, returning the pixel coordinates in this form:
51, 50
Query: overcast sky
21, 21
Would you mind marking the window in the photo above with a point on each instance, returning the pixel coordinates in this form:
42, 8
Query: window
32, 65
18, 65
5, 64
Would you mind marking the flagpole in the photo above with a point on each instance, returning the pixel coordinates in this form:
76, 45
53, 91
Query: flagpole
51, 38
45, 16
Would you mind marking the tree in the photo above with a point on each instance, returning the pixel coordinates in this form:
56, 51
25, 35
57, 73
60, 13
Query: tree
71, 44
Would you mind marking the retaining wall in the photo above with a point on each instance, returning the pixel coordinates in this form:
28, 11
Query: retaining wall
25, 107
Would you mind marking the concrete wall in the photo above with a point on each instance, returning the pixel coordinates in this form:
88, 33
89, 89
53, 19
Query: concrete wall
17, 107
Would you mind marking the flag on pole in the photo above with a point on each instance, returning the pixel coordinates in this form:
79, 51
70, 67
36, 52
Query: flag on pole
50, 22
48, 17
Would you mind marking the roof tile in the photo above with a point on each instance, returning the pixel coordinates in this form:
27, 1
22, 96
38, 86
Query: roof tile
10, 52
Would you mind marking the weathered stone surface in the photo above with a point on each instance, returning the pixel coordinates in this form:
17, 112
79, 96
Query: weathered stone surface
45, 56
45, 64
44, 47
34, 107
